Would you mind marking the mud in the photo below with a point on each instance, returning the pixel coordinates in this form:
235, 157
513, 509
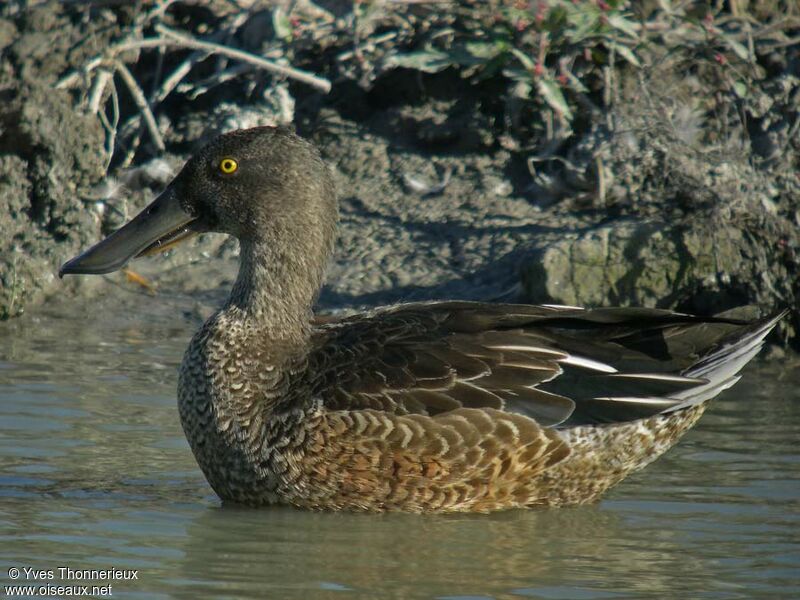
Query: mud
677, 196
50, 157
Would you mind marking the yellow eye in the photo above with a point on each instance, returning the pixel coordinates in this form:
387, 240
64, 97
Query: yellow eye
228, 166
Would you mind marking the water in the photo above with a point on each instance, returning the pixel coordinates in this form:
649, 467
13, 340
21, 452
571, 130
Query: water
95, 473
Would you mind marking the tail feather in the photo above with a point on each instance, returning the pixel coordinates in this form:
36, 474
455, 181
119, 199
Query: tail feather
721, 366
630, 392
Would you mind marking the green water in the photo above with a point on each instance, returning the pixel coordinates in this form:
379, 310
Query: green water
95, 473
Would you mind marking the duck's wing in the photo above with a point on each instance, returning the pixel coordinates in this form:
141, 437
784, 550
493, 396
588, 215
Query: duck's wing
558, 365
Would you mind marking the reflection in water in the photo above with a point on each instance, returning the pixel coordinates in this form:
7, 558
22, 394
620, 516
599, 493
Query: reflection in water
95, 473
406, 556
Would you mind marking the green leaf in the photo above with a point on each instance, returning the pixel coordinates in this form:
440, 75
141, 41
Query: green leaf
517, 75
427, 61
483, 50
576, 83
526, 60
582, 23
738, 48
551, 92
740, 89
625, 53
281, 24
461, 55
622, 24
523, 90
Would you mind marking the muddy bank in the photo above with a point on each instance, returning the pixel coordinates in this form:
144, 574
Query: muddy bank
671, 191
50, 156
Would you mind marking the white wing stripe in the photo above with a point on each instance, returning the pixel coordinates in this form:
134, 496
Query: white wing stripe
637, 400
521, 348
587, 363
660, 377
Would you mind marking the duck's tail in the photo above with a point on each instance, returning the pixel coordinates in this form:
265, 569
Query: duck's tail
638, 389
617, 449
722, 364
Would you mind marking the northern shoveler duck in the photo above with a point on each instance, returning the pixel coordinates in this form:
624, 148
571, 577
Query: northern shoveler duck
430, 406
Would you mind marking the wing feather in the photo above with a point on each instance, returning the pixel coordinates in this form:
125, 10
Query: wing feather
560, 366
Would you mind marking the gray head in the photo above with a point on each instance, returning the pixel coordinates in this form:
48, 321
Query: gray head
249, 182
266, 186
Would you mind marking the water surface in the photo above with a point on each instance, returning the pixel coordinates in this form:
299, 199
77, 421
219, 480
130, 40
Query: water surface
95, 473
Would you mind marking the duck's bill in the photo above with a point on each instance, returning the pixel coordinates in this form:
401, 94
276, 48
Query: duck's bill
159, 226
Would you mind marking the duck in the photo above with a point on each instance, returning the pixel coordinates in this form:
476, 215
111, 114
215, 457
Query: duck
440, 406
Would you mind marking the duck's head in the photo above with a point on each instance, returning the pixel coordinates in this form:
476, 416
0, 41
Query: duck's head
265, 186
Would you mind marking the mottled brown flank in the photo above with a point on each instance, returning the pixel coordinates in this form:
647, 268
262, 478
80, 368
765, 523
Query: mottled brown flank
467, 459
604, 456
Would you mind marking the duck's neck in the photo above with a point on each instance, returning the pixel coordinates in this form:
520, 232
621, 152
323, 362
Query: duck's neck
275, 290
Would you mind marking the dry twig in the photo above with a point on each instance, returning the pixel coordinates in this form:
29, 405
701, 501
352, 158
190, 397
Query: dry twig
141, 103
190, 42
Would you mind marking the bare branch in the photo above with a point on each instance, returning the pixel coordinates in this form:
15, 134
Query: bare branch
291, 72
98, 87
141, 102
